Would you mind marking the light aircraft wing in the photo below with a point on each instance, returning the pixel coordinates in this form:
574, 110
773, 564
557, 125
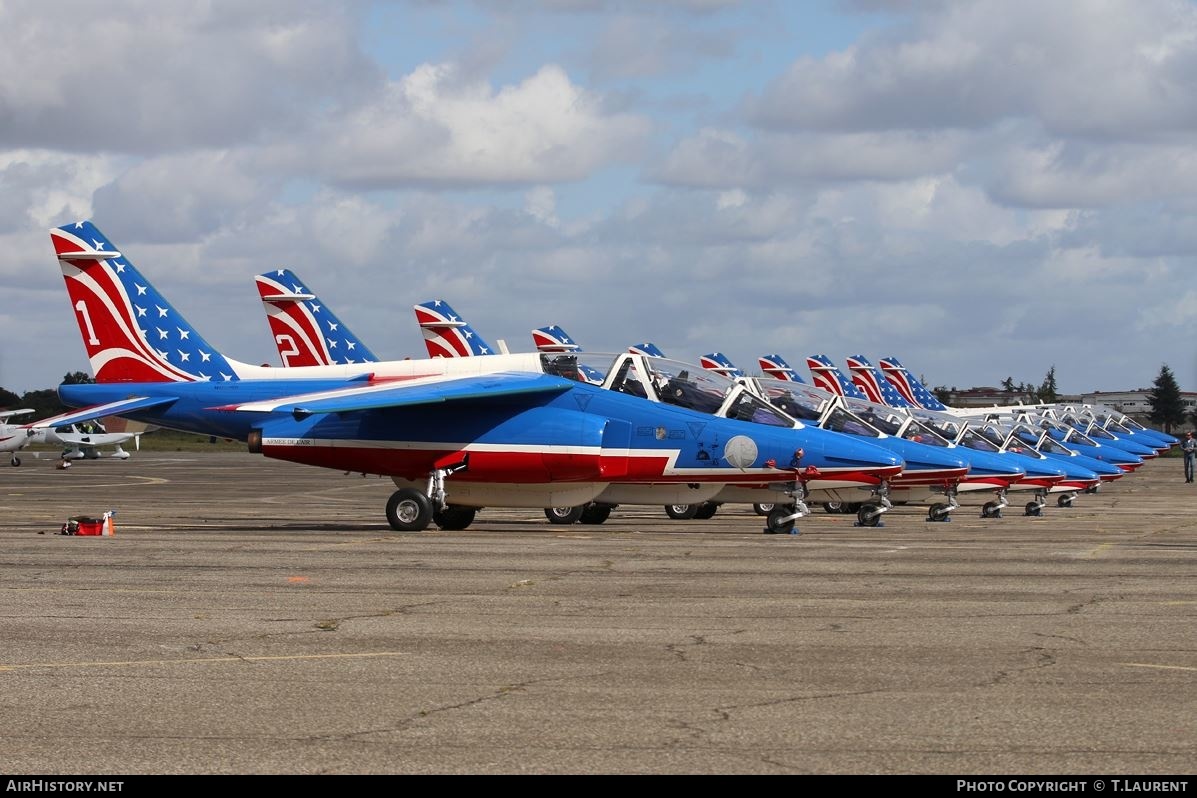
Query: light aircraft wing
6, 414
388, 394
99, 411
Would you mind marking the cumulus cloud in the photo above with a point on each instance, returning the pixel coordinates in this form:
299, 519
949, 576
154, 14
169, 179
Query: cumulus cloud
436, 126
1115, 68
180, 197
642, 45
138, 76
40, 189
723, 158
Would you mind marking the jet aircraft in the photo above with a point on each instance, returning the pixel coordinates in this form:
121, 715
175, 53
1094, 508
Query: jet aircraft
453, 434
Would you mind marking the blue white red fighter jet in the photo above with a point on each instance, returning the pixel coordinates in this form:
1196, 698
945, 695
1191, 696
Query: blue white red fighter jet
453, 434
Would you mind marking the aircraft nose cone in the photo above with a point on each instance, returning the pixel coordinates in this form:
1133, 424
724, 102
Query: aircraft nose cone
841, 451
993, 464
920, 457
1041, 469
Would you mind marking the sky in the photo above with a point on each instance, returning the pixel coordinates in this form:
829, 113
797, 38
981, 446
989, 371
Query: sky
983, 188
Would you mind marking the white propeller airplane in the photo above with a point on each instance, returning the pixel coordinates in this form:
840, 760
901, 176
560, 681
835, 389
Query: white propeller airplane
78, 441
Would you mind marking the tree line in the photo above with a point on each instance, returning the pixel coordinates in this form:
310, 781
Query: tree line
43, 402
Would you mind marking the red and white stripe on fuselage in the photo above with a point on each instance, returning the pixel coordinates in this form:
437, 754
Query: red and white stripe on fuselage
530, 463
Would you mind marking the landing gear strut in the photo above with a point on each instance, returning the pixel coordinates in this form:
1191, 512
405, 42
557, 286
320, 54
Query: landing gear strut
870, 514
994, 509
1035, 508
781, 518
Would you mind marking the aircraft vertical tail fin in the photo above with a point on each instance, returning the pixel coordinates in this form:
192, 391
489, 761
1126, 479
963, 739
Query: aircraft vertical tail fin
445, 334
130, 331
776, 367
720, 364
553, 339
877, 388
305, 330
911, 389
825, 375
647, 348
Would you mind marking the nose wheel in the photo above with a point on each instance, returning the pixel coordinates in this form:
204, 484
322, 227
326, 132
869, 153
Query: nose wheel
781, 518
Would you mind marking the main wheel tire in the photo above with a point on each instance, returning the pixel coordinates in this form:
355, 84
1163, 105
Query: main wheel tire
775, 525
563, 515
762, 509
596, 513
1033, 508
1064, 501
990, 510
409, 510
868, 515
15, 461
681, 512
833, 507
706, 511
938, 512
453, 518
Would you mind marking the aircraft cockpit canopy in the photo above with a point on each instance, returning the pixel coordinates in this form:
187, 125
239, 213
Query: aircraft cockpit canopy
888, 423
980, 440
840, 420
747, 407
1049, 445
790, 398
919, 432
1076, 436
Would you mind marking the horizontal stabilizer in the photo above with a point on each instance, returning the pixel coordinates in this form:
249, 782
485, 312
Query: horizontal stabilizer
88, 254
288, 297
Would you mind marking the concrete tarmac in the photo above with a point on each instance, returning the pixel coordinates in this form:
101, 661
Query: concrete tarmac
252, 616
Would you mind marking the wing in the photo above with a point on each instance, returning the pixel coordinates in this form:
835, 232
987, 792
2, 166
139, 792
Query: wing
99, 411
389, 394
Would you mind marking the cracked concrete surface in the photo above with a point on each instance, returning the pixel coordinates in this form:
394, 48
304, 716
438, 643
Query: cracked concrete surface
238, 639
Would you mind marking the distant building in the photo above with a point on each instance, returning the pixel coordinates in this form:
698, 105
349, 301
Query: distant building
1137, 403
988, 397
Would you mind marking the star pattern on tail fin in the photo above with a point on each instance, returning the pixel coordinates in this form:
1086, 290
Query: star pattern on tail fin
826, 376
446, 334
305, 330
131, 332
776, 367
910, 388
875, 386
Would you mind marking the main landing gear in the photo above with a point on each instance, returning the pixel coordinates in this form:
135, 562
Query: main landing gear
411, 510
593, 513
684, 512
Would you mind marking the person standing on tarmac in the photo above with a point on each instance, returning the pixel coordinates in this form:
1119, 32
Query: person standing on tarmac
1189, 447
